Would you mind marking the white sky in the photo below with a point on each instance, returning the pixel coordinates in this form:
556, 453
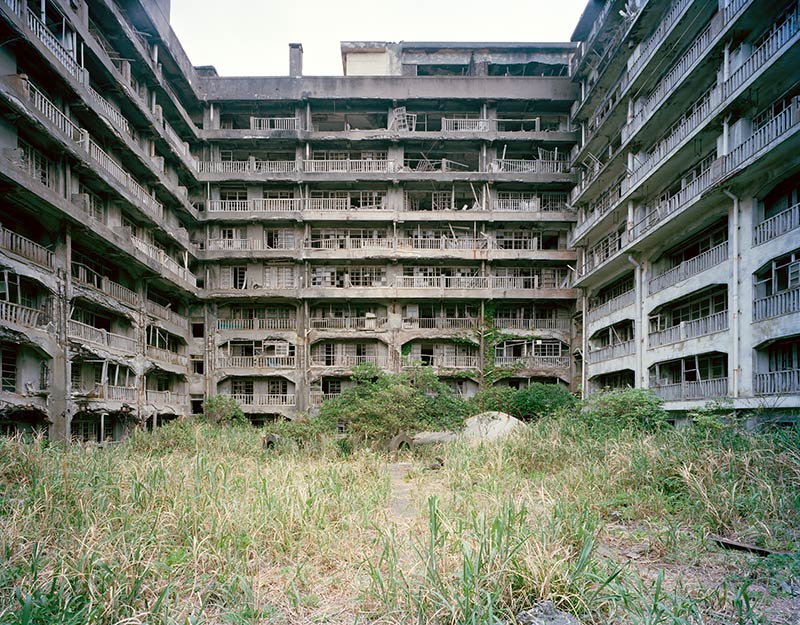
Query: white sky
251, 37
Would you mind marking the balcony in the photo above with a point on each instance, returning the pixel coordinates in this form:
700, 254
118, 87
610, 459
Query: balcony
336, 204
317, 397
618, 350
442, 243
533, 362
251, 166
52, 43
781, 303
528, 166
612, 305
345, 360
546, 279
349, 243
443, 361
775, 226
774, 129
112, 114
274, 123
440, 323
22, 315
151, 205
688, 268
554, 324
165, 355
347, 166
251, 245
54, 114
261, 399
165, 398
703, 326
260, 205
83, 332
602, 251
442, 282
167, 314
163, 259
466, 125
23, 247
702, 389
348, 323
257, 362
88, 277
530, 202
287, 323
777, 382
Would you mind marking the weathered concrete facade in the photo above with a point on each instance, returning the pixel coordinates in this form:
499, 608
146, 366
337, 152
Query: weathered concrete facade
168, 234
688, 232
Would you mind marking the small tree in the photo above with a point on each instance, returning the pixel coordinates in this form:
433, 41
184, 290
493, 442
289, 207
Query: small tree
624, 408
223, 409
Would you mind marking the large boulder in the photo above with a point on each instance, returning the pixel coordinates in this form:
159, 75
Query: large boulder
490, 426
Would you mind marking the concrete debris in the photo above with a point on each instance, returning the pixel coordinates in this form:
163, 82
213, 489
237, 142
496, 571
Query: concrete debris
545, 613
433, 438
490, 426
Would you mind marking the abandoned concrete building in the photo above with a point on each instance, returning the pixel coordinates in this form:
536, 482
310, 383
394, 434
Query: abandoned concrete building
623, 209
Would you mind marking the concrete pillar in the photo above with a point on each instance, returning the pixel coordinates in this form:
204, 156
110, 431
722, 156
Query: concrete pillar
295, 59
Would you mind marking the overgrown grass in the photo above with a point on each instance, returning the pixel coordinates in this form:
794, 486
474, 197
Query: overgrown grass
196, 523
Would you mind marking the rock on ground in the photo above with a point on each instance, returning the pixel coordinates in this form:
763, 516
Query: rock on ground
545, 613
489, 426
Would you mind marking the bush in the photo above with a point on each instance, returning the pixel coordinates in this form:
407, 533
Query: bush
223, 409
536, 401
622, 409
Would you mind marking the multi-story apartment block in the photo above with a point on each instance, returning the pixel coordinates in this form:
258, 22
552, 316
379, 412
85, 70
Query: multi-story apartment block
688, 230
167, 234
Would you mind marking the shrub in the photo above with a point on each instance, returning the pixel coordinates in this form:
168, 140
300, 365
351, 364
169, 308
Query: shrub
622, 409
223, 409
535, 401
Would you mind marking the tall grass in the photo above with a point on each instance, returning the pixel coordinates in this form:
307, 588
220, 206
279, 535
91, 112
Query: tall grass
196, 523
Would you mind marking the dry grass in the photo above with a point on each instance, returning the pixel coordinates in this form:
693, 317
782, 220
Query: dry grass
197, 524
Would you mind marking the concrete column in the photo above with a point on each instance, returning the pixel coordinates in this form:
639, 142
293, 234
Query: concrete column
295, 60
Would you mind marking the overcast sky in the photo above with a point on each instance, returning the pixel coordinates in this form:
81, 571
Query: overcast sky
251, 37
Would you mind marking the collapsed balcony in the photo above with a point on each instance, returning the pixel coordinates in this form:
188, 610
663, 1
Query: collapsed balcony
23, 302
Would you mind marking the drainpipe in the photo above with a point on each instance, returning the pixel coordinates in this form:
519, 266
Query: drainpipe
637, 327
735, 293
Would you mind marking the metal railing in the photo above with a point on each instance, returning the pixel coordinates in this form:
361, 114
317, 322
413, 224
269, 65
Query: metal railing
271, 205
88, 277
52, 43
440, 323
689, 268
247, 167
777, 382
116, 118
558, 324
463, 361
15, 243
552, 279
264, 399
612, 305
90, 334
602, 251
274, 123
253, 362
689, 329
348, 323
466, 125
703, 389
618, 350
255, 245
22, 315
779, 224
777, 304
164, 259
442, 243
257, 323
761, 138
347, 243
344, 360
351, 166
317, 397
537, 166
533, 362
533, 203
442, 282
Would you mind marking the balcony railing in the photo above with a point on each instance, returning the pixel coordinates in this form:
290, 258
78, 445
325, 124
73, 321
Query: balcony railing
777, 382
442, 282
556, 202
466, 125
463, 361
162, 312
165, 398
165, 355
88, 277
602, 251
54, 45
90, 334
164, 259
54, 114
247, 167
779, 224
761, 138
440, 323
348, 323
278, 323
552, 279
612, 305
533, 362
22, 315
253, 362
557, 324
688, 268
777, 304
150, 203
114, 116
15, 243
317, 397
345, 360
347, 243
268, 399
254, 245
442, 243
521, 166
120, 393
274, 123
267, 205
350, 166
628, 348
703, 389
689, 329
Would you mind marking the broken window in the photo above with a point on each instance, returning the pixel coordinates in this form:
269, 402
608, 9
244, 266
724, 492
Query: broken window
8, 368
